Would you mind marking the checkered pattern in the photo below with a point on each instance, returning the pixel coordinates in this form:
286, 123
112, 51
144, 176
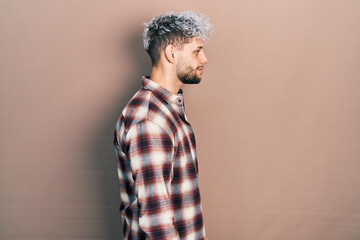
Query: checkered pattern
157, 167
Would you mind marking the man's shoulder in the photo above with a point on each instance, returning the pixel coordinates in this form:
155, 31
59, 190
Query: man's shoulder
138, 103
145, 105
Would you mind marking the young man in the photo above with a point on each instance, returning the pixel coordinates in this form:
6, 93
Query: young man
155, 144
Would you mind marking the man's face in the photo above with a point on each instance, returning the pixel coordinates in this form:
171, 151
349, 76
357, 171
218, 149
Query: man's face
191, 61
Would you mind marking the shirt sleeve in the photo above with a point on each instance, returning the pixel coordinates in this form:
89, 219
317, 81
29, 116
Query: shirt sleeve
150, 151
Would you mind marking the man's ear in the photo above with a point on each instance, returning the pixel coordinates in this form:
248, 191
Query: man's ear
170, 53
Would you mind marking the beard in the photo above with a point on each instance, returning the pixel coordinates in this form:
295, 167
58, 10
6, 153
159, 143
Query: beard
188, 75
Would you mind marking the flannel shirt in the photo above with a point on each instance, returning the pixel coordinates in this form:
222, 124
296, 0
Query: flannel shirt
157, 167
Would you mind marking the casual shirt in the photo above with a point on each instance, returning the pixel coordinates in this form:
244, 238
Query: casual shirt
157, 167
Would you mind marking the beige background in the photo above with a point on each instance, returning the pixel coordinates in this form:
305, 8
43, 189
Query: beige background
276, 116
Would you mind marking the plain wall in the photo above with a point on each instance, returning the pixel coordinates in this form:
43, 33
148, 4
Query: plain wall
276, 116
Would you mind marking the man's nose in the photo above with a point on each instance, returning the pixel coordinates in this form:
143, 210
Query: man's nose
204, 59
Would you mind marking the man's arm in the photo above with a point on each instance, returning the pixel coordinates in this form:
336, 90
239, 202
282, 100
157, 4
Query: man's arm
150, 151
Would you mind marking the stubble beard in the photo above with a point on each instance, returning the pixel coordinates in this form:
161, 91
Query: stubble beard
188, 76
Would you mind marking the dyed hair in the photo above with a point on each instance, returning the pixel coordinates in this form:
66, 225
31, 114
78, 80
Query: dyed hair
176, 29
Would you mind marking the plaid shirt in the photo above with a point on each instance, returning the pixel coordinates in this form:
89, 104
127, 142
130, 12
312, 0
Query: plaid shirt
157, 167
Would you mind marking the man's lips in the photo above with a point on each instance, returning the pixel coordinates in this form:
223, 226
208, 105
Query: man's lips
201, 69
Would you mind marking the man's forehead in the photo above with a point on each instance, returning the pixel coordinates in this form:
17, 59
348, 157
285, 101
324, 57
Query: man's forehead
195, 43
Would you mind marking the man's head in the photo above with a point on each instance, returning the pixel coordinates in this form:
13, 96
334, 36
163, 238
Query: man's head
183, 33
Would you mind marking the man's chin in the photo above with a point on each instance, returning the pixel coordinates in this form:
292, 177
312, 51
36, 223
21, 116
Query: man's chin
190, 78
192, 81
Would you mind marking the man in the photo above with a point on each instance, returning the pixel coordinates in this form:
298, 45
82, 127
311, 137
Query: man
155, 144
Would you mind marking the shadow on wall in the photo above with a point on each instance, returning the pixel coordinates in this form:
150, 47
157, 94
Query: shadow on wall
104, 156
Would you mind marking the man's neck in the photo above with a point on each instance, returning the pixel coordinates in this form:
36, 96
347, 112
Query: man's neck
166, 79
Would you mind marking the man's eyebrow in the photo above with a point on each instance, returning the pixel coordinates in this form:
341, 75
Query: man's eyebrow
200, 47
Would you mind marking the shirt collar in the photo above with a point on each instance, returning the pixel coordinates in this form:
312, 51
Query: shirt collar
165, 94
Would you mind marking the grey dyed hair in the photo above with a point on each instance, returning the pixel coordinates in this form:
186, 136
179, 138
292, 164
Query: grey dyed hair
174, 28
